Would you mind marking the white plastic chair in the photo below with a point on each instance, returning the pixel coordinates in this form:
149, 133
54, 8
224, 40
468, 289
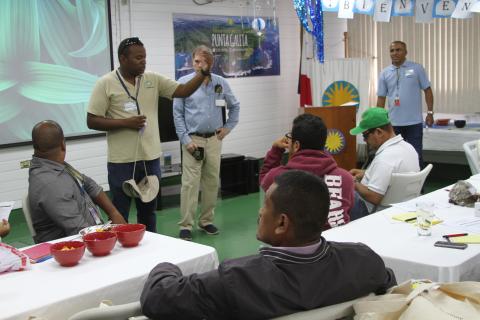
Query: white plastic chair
131, 311
342, 311
472, 152
27, 213
405, 186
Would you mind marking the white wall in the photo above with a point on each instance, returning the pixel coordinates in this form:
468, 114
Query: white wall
268, 104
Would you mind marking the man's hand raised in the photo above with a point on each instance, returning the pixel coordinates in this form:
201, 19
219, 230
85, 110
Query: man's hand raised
281, 143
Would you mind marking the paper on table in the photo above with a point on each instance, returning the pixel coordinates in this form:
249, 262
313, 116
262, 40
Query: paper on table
5, 209
470, 224
350, 103
471, 238
411, 205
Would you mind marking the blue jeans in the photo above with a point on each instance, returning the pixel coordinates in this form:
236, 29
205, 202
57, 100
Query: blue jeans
359, 209
120, 172
413, 134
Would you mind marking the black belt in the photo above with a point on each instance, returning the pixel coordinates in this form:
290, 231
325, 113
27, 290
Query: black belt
203, 135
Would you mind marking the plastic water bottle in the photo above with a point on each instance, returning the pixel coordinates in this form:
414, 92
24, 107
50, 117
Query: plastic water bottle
424, 218
167, 161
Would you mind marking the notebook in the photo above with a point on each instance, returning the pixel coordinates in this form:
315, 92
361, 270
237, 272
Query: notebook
411, 217
39, 252
471, 238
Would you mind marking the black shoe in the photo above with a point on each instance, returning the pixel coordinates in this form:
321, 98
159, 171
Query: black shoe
210, 229
185, 234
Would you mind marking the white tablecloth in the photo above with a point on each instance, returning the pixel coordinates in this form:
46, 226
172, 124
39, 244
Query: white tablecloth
442, 138
54, 292
450, 139
409, 255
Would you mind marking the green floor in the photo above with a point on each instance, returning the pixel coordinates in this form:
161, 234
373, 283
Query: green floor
236, 218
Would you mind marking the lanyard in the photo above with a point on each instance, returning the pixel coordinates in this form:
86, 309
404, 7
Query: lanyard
92, 208
128, 92
398, 79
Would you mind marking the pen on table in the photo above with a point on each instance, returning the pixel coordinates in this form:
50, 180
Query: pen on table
43, 259
447, 236
410, 219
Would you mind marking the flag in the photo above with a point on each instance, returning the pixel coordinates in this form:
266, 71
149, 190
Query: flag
335, 82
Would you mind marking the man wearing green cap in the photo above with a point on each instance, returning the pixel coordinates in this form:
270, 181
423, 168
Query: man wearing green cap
393, 155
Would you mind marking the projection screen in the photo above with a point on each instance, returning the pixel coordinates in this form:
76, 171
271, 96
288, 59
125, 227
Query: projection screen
51, 54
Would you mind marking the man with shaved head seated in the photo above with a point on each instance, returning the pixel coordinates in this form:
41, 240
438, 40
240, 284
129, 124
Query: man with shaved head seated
62, 200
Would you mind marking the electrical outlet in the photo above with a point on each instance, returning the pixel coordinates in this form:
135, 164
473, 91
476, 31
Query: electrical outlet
25, 164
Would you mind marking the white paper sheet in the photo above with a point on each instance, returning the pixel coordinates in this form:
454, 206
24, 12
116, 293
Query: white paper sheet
5, 209
468, 224
411, 205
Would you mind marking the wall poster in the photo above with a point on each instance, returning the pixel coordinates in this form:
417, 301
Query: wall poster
242, 46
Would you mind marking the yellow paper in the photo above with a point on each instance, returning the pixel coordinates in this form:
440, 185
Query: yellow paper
471, 238
409, 215
405, 216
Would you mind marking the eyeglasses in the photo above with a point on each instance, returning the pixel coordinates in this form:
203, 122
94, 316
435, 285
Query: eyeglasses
288, 135
129, 42
365, 134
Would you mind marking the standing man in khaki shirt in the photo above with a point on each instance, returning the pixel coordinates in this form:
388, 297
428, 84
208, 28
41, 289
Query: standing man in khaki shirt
124, 103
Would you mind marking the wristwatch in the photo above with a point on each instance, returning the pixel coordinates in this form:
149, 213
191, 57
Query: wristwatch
430, 112
205, 73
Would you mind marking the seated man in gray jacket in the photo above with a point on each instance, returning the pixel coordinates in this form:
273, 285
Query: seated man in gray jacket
299, 271
62, 200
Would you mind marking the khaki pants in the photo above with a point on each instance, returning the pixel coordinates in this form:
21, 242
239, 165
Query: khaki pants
202, 174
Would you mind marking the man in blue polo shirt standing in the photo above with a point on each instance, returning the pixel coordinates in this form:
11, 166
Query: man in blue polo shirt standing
402, 83
200, 128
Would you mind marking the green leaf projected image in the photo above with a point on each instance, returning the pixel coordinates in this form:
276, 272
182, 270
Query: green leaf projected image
51, 54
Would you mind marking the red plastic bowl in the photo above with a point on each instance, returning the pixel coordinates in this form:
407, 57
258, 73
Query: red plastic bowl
442, 122
70, 257
100, 243
129, 235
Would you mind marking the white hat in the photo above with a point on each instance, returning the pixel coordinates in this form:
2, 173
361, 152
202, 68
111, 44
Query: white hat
146, 189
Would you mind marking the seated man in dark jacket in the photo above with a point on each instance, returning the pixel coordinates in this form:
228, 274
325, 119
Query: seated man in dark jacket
62, 200
300, 271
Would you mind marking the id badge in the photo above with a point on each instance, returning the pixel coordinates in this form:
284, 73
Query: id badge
130, 106
220, 103
396, 101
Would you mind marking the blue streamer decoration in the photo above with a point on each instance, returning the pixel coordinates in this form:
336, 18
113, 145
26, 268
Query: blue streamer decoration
311, 11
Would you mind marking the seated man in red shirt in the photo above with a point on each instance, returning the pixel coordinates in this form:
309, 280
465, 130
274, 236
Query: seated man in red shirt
306, 147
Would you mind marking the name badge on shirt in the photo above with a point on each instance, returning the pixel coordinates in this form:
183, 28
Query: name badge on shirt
220, 103
130, 106
396, 101
409, 73
148, 84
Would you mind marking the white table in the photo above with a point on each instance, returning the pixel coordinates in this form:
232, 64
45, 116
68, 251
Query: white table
409, 255
443, 144
54, 292
448, 139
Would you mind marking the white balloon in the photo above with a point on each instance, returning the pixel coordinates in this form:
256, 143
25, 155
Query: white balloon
258, 24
